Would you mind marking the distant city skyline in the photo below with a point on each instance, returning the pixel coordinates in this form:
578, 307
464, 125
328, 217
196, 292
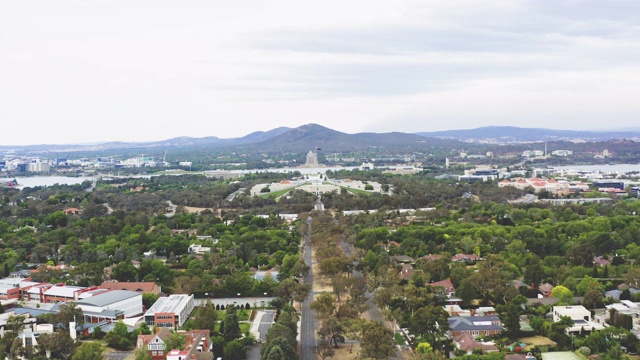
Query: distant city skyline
75, 72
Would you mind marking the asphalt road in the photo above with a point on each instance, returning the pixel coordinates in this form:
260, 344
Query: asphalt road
309, 320
265, 324
117, 355
253, 353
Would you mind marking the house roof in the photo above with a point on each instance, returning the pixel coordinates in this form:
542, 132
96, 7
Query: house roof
466, 257
480, 323
598, 260
467, 343
446, 284
431, 257
403, 258
169, 304
137, 286
108, 298
546, 287
63, 291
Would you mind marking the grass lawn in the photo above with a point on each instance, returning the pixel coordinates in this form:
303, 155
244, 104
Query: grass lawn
244, 327
537, 341
243, 315
274, 194
399, 338
358, 191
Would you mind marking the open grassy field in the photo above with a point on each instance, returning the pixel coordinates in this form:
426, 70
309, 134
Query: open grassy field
275, 194
358, 191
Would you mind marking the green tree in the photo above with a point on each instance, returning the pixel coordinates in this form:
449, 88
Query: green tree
587, 284
125, 272
424, 347
377, 341
511, 319
533, 271
429, 320
332, 330
175, 341
280, 330
143, 354
70, 312
119, 337
59, 345
231, 329
205, 317
324, 305
148, 299
564, 295
235, 350
324, 349
283, 344
88, 351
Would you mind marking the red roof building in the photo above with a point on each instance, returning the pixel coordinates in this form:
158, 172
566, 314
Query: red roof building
139, 287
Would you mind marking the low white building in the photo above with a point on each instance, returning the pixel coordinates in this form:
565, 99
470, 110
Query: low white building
111, 305
581, 318
171, 311
199, 249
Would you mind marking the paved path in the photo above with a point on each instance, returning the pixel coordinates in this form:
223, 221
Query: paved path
254, 352
261, 324
265, 324
172, 209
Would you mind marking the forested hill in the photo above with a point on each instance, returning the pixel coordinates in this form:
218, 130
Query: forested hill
308, 136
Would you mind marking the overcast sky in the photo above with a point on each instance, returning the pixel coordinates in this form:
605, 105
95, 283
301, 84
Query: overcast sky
86, 71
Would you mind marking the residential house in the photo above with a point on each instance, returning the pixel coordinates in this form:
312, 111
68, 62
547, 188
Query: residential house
465, 258
474, 326
519, 283
467, 343
199, 249
154, 343
545, 289
601, 261
405, 259
615, 294
446, 286
581, 318
72, 211
407, 272
456, 310
485, 311
198, 345
430, 257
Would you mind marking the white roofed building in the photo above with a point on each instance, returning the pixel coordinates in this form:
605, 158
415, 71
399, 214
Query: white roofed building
111, 306
171, 311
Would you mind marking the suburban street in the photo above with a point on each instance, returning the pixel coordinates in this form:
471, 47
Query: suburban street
309, 320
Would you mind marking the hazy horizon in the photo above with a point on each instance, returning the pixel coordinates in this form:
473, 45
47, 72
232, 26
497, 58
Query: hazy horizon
631, 130
75, 72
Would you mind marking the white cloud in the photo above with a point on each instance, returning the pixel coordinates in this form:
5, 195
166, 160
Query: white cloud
75, 71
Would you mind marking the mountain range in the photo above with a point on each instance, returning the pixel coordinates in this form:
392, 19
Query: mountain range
512, 134
311, 136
